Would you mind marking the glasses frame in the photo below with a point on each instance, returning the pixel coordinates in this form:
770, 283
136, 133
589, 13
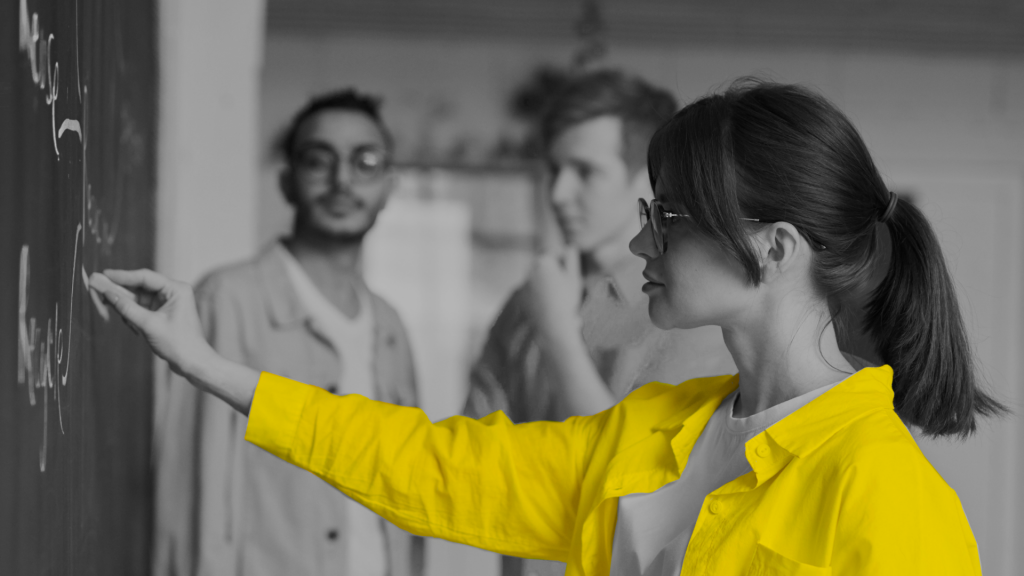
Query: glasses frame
330, 172
660, 218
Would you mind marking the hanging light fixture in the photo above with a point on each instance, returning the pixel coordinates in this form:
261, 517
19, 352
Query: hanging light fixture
592, 33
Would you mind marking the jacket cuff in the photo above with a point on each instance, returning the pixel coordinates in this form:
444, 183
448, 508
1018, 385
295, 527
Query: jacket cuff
276, 412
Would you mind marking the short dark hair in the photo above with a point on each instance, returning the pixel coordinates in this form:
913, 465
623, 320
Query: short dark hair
348, 99
782, 153
643, 108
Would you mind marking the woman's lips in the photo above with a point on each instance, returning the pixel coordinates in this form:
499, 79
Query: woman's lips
651, 284
650, 278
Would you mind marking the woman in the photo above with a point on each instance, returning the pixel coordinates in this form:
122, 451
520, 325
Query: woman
767, 218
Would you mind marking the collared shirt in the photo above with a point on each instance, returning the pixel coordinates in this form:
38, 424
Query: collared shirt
838, 487
652, 530
352, 339
225, 507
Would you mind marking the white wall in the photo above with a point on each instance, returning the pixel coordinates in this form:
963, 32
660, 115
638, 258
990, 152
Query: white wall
210, 55
208, 147
951, 129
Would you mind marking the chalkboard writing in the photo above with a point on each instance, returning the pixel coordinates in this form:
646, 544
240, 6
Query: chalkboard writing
77, 130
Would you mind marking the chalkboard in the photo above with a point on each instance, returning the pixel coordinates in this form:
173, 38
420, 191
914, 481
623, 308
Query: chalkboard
77, 150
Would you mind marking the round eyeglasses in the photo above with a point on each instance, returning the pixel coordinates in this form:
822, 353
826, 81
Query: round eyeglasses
317, 164
659, 219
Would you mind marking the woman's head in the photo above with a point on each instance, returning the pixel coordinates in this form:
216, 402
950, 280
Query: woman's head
764, 172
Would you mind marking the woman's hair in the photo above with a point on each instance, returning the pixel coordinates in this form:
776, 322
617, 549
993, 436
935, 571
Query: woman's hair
784, 153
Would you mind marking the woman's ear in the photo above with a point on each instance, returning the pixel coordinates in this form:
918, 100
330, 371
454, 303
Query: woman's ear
780, 246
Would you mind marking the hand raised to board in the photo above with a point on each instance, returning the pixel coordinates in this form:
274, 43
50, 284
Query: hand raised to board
160, 309
164, 312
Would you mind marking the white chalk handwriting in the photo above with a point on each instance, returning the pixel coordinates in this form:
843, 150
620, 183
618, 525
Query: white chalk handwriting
44, 354
38, 46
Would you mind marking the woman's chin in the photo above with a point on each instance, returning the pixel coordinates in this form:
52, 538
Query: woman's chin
660, 317
666, 318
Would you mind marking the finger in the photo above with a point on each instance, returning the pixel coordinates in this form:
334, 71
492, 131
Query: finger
142, 278
106, 287
122, 300
130, 326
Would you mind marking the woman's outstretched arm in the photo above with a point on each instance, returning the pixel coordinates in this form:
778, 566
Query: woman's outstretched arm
163, 311
513, 489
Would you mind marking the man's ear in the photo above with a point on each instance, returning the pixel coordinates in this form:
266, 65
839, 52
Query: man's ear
779, 247
640, 185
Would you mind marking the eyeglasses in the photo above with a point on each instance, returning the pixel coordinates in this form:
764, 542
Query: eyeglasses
660, 218
317, 164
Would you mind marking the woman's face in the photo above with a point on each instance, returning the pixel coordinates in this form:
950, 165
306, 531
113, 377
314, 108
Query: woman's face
695, 282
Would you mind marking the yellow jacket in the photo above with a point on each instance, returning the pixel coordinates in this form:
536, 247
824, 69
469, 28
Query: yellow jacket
838, 487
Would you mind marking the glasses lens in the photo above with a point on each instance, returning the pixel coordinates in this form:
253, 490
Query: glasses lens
368, 164
645, 214
317, 160
656, 227
314, 165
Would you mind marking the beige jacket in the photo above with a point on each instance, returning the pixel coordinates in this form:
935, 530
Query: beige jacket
211, 507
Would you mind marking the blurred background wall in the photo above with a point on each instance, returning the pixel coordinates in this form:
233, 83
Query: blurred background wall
936, 88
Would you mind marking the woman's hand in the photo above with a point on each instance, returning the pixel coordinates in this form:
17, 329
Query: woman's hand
160, 309
164, 312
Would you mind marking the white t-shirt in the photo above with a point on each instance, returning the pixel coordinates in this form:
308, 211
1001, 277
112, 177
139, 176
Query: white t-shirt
353, 340
653, 530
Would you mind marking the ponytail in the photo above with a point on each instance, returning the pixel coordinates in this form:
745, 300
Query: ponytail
915, 321
782, 153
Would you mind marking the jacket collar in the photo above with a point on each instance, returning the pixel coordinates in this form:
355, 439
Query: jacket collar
282, 301
866, 391
661, 457
284, 308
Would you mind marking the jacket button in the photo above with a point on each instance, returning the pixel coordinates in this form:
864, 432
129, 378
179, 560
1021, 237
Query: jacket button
332, 534
763, 451
715, 507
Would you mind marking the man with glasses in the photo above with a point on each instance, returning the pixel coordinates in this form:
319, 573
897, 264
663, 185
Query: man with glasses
576, 337
301, 309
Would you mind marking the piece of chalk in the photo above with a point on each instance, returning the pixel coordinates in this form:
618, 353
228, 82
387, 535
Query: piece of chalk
101, 308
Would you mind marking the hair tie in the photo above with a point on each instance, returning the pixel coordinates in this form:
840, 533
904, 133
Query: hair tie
893, 198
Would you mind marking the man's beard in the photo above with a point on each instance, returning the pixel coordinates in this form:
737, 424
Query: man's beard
305, 228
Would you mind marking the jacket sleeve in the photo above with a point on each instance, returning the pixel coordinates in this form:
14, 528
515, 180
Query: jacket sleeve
512, 489
898, 517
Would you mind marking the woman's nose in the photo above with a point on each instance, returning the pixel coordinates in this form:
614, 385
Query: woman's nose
642, 244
